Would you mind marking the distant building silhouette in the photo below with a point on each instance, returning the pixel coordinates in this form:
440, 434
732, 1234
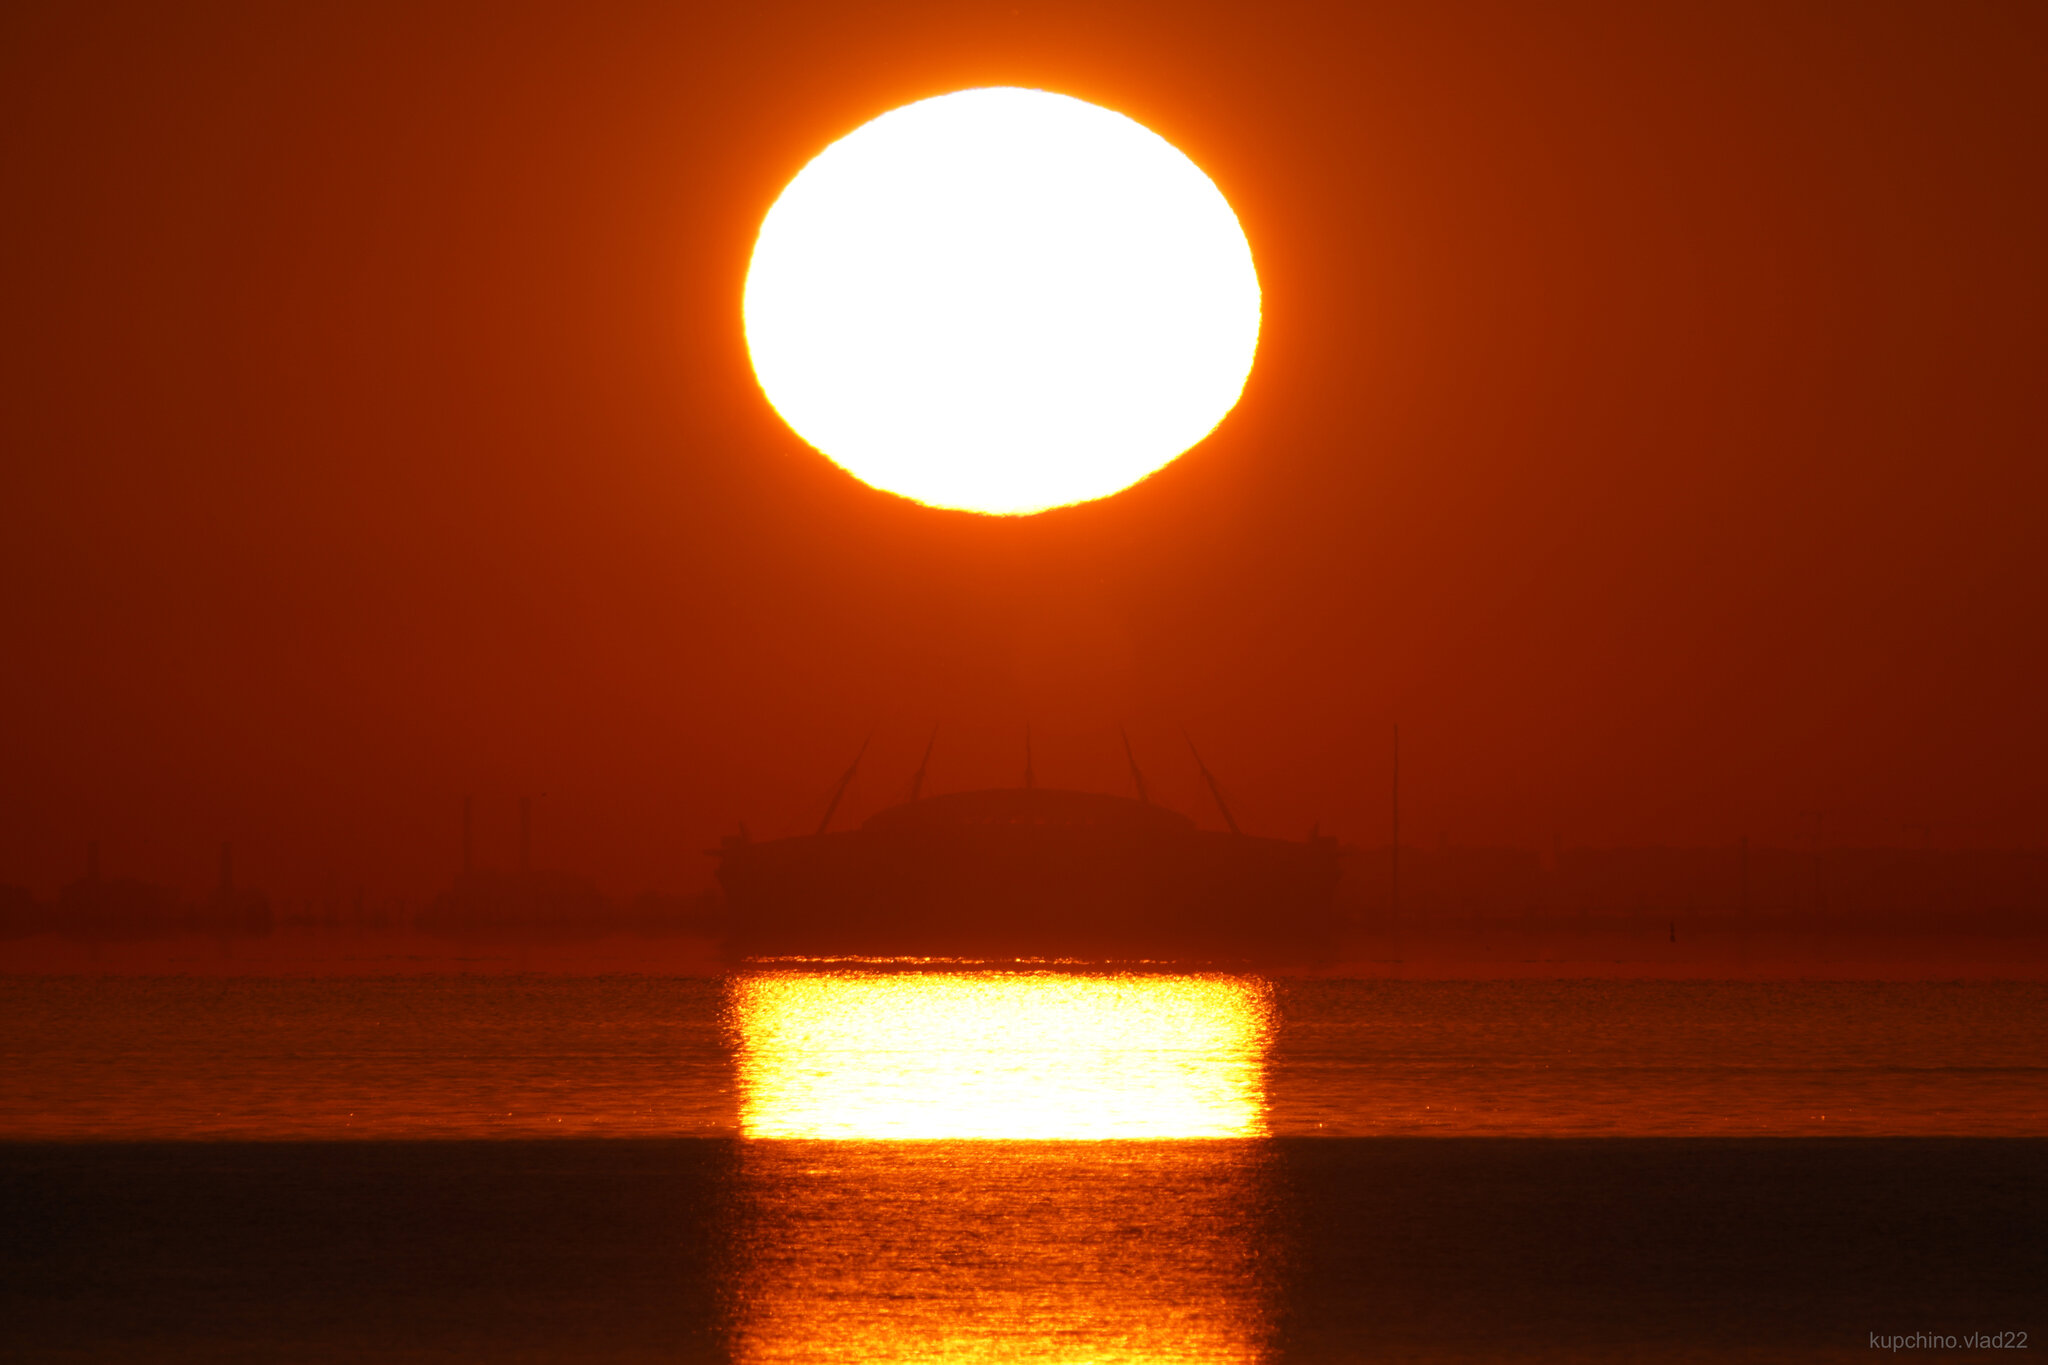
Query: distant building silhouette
1868, 890
233, 910
20, 916
552, 904
1032, 872
116, 907
525, 902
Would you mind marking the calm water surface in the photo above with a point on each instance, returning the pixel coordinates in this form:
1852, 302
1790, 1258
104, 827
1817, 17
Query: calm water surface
796, 1166
898, 1055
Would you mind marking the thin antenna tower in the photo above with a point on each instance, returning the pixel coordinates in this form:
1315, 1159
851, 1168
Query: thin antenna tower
1742, 916
1136, 776
1214, 790
917, 782
844, 782
1394, 848
1819, 900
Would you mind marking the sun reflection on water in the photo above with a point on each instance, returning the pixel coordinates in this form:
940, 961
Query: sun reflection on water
1000, 1055
1117, 1253
941, 1195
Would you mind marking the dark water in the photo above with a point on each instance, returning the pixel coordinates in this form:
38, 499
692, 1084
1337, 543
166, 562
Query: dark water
558, 1169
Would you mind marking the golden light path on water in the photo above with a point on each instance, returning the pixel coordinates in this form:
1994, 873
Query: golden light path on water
1000, 1055
933, 1188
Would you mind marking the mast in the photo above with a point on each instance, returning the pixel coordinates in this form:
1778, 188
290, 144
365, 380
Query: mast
1136, 776
1214, 790
917, 782
840, 790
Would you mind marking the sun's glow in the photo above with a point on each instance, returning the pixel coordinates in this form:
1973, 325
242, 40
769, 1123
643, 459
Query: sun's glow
1002, 300
995, 1055
1002, 1253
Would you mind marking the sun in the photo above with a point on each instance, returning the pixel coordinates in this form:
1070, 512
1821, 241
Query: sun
1002, 301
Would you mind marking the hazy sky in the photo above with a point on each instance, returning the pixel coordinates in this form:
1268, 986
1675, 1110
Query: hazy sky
1649, 417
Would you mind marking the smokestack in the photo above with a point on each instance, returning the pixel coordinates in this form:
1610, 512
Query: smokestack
525, 834
468, 835
227, 871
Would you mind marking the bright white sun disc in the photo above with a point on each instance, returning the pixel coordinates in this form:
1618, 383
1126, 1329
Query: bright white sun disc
1002, 301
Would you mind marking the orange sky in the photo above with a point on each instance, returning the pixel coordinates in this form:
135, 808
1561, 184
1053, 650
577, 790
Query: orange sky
1649, 417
